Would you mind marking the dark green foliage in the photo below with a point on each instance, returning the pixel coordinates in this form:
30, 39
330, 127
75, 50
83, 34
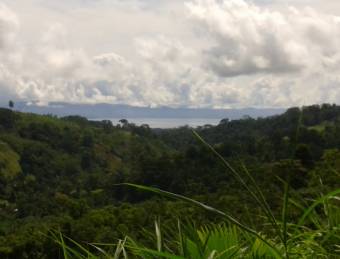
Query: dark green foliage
63, 173
11, 104
7, 119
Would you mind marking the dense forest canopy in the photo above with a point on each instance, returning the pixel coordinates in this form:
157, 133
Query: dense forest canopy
62, 173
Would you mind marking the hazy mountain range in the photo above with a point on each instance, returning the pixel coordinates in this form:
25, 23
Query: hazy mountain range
110, 111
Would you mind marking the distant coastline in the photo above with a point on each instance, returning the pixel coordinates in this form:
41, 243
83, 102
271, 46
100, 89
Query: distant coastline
119, 111
168, 123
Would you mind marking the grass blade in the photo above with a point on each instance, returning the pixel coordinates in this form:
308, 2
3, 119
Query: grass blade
284, 217
316, 203
206, 207
158, 235
262, 203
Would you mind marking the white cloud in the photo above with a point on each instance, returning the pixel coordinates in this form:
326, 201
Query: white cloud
249, 39
9, 25
230, 53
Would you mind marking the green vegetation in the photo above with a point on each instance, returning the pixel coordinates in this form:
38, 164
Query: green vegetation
275, 182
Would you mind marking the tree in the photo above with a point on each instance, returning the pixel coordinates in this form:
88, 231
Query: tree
7, 118
304, 154
11, 104
124, 123
224, 121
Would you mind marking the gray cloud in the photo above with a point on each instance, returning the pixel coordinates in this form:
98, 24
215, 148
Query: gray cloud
207, 53
249, 39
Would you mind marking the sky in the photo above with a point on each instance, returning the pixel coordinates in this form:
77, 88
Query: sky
178, 53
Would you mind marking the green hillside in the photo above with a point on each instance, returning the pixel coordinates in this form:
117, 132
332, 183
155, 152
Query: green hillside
61, 174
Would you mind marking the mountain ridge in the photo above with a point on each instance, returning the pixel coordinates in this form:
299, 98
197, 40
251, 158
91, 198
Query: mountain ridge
103, 110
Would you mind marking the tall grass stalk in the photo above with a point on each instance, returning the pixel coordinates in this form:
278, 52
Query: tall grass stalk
312, 239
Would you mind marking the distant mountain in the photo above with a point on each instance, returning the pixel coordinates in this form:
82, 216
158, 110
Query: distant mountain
119, 111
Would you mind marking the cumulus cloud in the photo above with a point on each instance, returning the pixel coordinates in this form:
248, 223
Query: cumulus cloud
9, 26
237, 54
248, 39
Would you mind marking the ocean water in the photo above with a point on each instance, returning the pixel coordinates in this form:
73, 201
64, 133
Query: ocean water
167, 123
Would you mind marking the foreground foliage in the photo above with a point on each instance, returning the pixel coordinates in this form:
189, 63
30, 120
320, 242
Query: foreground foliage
316, 234
62, 174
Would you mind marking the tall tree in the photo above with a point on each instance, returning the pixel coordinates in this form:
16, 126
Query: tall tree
11, 104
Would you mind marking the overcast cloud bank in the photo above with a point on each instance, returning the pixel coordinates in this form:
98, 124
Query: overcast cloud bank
230, 53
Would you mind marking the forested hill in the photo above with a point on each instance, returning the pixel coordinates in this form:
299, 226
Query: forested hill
312, 127
62, 173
